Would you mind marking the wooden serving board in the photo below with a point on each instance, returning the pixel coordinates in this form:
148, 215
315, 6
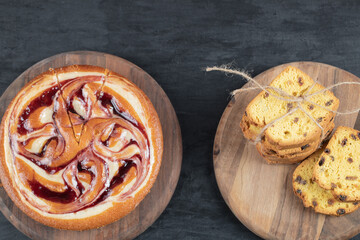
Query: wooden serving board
261, 195
156, 201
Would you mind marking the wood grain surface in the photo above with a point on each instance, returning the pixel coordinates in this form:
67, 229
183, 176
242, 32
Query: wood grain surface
156, 201
261, 195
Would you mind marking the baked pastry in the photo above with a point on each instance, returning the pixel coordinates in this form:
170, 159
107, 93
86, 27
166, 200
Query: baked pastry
338, 167
313, 195
81, 146
296, 136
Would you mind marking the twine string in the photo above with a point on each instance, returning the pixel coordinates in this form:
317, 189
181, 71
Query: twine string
312, 86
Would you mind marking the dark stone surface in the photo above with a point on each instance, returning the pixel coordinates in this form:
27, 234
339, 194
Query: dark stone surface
174, 41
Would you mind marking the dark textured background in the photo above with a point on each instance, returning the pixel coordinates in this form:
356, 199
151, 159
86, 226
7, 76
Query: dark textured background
173, 41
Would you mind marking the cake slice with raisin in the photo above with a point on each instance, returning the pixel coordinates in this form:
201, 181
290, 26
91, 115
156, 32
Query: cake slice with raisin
313, 195
338, 168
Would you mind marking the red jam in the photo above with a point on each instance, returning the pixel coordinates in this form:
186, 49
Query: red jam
45, 100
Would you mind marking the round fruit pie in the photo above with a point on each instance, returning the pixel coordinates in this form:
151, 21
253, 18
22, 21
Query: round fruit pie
81, 146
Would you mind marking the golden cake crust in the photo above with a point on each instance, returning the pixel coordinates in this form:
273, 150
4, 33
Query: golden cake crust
118, 209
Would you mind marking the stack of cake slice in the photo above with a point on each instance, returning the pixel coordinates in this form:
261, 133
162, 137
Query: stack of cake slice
294, 137
329, 180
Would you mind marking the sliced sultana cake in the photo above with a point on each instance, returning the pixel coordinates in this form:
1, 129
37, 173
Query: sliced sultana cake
338, 168
313, 195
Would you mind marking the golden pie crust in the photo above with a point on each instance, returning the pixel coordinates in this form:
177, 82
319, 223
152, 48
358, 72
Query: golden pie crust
81, 147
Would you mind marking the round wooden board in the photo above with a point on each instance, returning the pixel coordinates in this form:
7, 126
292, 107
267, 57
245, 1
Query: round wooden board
261, 195
156, 201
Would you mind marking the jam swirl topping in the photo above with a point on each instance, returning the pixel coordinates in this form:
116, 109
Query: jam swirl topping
76, 146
